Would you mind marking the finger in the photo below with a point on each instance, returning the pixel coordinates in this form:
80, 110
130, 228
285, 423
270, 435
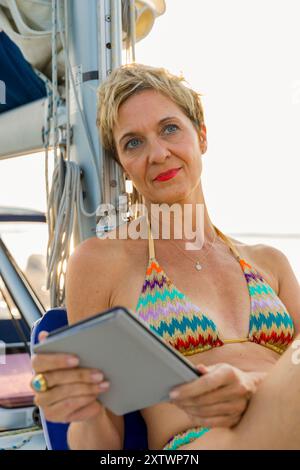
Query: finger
222, 394
216, 422
60, 411
230, 408
202, 368
226, 393
43, 335
213, 380
48, 362
74, 375
207, 369
58, 394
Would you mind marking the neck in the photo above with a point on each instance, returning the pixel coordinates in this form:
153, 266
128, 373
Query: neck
188, 221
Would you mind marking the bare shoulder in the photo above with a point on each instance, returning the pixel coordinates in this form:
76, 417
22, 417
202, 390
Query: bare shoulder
263, 258
89, 253
90, 276
289, 287
270, 259
259, 253
93, 249
266, 256
274, 263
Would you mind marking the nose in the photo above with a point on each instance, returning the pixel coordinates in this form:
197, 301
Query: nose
158, 151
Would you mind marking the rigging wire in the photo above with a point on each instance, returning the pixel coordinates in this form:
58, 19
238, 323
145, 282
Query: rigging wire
71, 76
66, 193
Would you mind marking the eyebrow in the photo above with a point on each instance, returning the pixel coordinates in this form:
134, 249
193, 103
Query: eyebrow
130, 134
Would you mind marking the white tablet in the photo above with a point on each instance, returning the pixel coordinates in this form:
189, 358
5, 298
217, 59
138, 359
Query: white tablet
142, 367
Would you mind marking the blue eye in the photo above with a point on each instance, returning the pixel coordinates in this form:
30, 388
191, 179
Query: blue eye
171, 125
132, 140
129, 146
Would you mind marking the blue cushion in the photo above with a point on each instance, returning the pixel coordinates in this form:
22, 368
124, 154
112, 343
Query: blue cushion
9, 332
56, 433
21, 82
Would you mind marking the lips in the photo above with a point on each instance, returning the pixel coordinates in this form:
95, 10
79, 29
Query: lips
167, 174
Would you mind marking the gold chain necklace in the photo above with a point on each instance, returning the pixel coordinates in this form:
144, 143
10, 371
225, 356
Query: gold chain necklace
197, 265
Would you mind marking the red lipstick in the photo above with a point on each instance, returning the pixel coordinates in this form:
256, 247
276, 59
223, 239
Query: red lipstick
167, 175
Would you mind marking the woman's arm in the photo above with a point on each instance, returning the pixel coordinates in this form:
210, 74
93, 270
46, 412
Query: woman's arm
101, 432
219, 397
289, 288
89, 285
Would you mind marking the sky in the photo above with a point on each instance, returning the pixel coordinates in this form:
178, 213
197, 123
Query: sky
243, 57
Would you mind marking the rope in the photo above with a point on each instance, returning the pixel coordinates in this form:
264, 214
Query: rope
64, 200
66, 193
61, 220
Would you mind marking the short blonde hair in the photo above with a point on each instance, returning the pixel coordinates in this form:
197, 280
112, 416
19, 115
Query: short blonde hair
129, 79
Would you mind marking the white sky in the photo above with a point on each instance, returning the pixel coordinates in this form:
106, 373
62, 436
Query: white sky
244, 57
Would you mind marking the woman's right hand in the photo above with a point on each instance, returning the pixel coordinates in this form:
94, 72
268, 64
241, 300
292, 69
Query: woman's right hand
72, 391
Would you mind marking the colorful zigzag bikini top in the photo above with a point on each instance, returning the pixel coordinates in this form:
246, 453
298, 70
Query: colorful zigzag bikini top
182, 324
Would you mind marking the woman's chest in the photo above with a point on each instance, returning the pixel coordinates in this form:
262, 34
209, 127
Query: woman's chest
220, 291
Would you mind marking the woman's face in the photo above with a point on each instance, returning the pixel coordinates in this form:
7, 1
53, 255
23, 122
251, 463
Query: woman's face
153, 136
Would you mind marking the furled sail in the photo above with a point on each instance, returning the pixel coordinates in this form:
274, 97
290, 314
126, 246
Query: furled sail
28, 23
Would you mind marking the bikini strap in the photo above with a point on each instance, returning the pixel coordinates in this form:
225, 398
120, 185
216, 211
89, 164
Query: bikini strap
150, 241
226, 240
230, 245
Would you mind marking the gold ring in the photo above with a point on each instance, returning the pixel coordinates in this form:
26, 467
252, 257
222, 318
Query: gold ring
39, 383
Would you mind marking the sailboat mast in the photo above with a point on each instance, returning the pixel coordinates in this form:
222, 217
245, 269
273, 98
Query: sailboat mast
94, 49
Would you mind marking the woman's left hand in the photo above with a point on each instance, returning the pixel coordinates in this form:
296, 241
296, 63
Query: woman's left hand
219, 397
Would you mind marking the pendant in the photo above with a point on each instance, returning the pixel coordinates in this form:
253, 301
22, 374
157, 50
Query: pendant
198, 266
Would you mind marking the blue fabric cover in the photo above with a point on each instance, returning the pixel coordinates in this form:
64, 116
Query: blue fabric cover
135, 428
21, 82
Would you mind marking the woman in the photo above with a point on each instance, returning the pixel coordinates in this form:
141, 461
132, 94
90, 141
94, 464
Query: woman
153, 125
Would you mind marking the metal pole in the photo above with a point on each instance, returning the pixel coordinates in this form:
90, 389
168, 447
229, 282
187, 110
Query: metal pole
110, 57
83, 55
95, 49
